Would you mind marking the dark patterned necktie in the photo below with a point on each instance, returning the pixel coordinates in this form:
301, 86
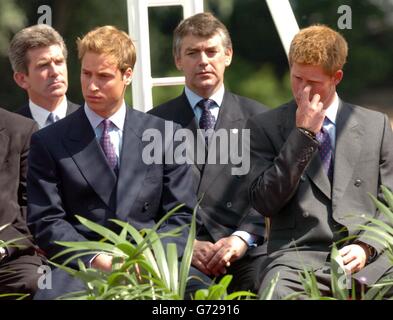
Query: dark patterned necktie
50, 120
207, 120
107, 145
326, 152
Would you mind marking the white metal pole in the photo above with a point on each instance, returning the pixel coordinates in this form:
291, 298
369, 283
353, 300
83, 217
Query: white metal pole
285, 21
138, 24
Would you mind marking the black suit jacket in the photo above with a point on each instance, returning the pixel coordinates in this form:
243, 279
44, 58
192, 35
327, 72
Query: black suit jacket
225, 201
25, 109
306, 211
15, 133
69, 175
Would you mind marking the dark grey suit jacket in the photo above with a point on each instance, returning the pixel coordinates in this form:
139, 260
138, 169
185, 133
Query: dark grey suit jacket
15, 133
25, 109
69, 175
306, 211
225, 201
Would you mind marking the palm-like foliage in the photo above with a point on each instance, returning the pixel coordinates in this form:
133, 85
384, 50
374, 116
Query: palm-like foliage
4, 244
142, 269
378, 230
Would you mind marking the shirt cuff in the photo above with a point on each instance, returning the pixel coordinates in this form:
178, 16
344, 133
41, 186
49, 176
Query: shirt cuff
247, 237
92, 259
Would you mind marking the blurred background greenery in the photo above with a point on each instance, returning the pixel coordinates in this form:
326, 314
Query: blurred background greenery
259, 69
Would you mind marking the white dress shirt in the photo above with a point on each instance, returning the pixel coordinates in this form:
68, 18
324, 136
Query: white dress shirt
193, 99
40, 114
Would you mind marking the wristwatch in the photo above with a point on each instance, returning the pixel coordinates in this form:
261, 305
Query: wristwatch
371, 252
307, 132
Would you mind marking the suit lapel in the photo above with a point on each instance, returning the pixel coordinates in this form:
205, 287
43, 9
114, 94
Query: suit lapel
25, 111
186, 118
132, 170
314, 171
71, 107
348, 146
90, 159
4, 141
318, 176
230, 117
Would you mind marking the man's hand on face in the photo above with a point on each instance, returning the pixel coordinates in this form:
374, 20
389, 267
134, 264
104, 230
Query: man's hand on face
310, 114
227, 250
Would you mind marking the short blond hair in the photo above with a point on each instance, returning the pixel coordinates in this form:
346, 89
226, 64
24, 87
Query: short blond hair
110, 41
319, 45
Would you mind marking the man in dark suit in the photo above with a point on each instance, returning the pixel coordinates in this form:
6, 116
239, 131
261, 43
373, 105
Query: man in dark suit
318, 157
38, 56
18, 264
91, 164
202, 50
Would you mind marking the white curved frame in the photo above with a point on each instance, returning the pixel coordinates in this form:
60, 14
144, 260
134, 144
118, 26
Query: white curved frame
138, 24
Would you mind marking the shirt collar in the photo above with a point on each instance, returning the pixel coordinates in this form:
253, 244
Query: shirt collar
41, 114
193, 98
117, 119
331, 111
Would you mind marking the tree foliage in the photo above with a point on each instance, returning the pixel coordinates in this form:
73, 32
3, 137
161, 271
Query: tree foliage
259, 68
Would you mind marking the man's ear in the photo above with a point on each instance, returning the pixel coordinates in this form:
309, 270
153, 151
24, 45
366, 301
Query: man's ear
22, 80
338, 76
228, 56
127, 76
178, 63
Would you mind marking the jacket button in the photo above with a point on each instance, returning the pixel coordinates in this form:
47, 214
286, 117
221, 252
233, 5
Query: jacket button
303, 177
146, 206
306, 214
229, 204
358, 182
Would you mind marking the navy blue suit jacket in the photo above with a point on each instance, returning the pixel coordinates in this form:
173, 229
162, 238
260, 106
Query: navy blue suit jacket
69, 175
225, 203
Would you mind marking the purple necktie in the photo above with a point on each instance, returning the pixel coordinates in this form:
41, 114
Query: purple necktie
107, 145
207, 120
325, 152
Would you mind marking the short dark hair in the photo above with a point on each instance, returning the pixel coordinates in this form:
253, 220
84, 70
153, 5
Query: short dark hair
203, 25
36, 36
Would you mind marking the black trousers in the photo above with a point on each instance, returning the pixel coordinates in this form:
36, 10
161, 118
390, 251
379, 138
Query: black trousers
19, 274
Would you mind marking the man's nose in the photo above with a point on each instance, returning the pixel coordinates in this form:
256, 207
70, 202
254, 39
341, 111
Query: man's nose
92, 85
54, 69
203, 58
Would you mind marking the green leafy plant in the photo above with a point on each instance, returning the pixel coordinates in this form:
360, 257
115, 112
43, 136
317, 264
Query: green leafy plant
382, 230
379, 230
267, 294
142, 269
4, 244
